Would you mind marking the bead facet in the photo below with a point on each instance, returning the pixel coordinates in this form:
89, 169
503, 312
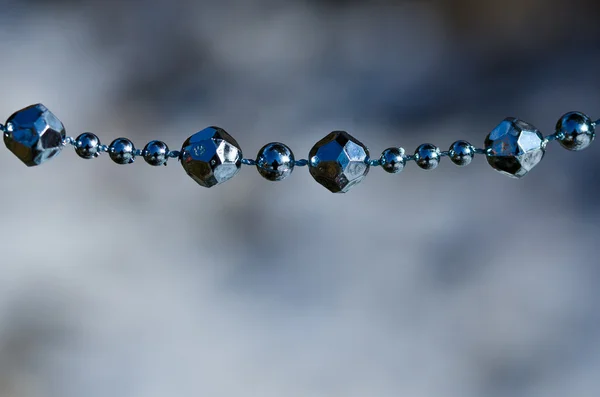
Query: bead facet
392, 160
575, 131
338, 161
156, 153
427, 156
87, 145
275, 161
34, 135
211, 156
514, 147
122, 151
461, 153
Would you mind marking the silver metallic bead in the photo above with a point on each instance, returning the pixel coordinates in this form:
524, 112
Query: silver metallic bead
575, 130
87, 145
461, 153
211, 156
427, 156
156, 153
392, 160
514, 147
338, 161
34, 134
275, 161
122, 151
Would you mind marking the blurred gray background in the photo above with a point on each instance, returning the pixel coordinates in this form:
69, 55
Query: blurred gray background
134, 281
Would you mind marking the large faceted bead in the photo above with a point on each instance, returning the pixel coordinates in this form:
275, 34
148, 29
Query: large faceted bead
338, 161
211, 156
34, 135
514, 147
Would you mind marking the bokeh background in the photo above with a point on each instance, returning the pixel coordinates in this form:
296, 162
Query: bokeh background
134, 281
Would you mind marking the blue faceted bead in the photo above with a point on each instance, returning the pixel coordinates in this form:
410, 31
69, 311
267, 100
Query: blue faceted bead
211, 156
514, 147
34, 135
338, 161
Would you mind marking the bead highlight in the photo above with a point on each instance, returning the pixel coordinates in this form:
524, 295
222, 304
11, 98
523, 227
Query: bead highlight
575, 131
338, 162
461, 153
156, 153
392, 160
122, 151
514, 147
34, 134
427, 156
87, 145
211, 156
275, 161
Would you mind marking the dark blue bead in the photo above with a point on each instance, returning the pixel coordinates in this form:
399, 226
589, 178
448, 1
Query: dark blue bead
34, 135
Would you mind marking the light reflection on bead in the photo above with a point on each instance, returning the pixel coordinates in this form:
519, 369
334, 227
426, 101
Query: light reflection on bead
34, 134
275, 161
122, 151
514, 147
87, 145
211, 156
427, 156
338, 161
461, 153
156, 153
392, 160
575, 131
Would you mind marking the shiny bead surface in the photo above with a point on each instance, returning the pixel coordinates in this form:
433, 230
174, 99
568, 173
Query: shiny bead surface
575, 130
122, 151
392, 160
275, 161
87, 145
34, 135
427, 156
156, 153
461, 153
211, 156
514, 147
338, 161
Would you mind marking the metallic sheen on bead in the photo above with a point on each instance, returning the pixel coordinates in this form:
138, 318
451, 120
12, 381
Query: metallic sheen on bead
427, 156
122, 151
211, 156
156, 153
275, 161
338, 161
392, 160
34, 135
461, 153
575, 130
514, 147
87, 145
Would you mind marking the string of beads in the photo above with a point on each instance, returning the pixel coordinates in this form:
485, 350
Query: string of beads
338, 161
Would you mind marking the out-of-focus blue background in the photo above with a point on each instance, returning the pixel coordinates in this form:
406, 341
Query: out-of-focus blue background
134, 281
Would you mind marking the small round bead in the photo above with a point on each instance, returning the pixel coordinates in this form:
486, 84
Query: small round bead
122, 151
156, 153
87, 145
575, 131
275, 161
427, 156
392, 160
461, 153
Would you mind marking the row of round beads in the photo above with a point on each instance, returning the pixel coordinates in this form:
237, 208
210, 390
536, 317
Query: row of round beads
121, 150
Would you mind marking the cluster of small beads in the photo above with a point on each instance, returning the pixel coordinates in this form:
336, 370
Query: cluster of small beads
121, 150
338, 161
